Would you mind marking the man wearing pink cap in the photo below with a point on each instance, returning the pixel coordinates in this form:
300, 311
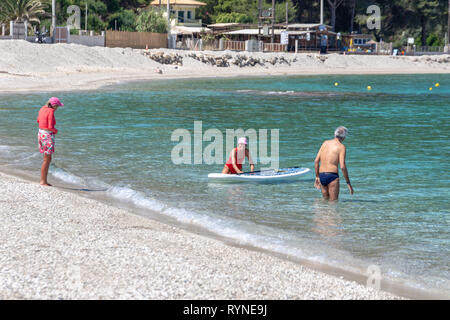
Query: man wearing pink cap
46, 135
237, 157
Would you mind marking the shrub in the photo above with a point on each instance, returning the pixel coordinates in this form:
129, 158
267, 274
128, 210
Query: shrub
126, 20
151, 21
233, 17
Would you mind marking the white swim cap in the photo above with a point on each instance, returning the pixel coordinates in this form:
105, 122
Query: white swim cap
242, 140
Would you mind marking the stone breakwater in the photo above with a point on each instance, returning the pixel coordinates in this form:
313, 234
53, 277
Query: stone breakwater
432, 59
165, 58
240, 59
222, 60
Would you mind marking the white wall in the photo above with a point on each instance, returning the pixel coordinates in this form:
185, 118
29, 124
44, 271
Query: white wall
90, 41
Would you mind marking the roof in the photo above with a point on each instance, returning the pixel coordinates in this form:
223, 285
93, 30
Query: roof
283, 25
231, 26
277, 31
188, 30
252, 31
222, 25
360, 35
179, 3
306, 25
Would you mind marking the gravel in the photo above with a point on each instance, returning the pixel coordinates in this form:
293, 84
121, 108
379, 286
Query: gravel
60, 245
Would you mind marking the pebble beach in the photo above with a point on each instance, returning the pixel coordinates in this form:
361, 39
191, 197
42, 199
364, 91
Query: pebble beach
59, 245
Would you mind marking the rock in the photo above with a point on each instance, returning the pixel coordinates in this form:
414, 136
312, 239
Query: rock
171, 58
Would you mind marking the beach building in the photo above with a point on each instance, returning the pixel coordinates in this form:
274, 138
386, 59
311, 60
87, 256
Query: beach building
311, 37
184, 28
307, 36
182, 10
359, 43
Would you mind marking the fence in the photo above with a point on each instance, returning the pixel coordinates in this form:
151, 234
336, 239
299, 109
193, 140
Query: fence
384, 48
135, 40
427, 50
275, 47
211, 44
190, 44
61, 35
18, 30
234, 45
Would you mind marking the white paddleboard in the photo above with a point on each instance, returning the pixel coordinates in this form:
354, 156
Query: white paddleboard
283, 174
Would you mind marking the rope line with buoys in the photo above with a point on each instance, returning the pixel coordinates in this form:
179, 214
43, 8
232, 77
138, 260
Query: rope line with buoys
437, 85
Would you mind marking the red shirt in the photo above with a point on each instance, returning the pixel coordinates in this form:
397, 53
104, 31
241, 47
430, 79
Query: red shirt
46, 119
229, 163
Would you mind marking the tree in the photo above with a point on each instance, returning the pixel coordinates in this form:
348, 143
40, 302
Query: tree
233, 17
206, 12
21, 10
433, 40
247, 7
426, 12
307, 10
124, 19
334, 4
352, 16
151, 21
448, 24
133, 4
280, 12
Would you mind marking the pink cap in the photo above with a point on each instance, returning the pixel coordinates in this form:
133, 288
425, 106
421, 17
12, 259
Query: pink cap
242, 140
54, 100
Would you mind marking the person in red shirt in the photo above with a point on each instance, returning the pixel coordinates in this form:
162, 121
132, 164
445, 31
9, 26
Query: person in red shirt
237, 157
46, 135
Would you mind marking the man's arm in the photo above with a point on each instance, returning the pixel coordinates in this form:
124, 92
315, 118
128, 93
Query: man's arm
316, 168
342, 155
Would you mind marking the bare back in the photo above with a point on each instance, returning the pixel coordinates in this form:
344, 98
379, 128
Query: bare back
330, 154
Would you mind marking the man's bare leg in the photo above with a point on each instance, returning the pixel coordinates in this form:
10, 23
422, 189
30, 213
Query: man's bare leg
44, 169
333, 189
325, 192
226, 170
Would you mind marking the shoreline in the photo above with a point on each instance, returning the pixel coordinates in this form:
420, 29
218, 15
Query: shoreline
113, 80
389, 289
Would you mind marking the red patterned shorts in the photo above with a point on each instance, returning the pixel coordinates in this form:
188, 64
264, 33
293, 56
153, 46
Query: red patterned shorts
46, 142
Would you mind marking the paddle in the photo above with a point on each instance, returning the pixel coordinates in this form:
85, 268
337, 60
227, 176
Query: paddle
258, 171
250, 172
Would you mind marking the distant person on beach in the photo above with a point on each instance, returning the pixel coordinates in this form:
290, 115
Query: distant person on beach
329, 157
237, 157
46, 135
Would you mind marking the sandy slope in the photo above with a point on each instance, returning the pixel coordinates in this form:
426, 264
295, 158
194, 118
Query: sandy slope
27, 66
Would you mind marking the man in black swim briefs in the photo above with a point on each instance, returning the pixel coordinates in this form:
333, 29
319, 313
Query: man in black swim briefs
330, 156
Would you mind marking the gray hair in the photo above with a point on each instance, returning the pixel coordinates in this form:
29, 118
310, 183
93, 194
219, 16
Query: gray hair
341, 132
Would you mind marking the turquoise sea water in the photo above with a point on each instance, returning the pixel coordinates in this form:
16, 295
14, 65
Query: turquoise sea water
119, 139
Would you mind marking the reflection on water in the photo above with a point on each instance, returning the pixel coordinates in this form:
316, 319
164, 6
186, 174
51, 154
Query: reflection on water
327, 220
